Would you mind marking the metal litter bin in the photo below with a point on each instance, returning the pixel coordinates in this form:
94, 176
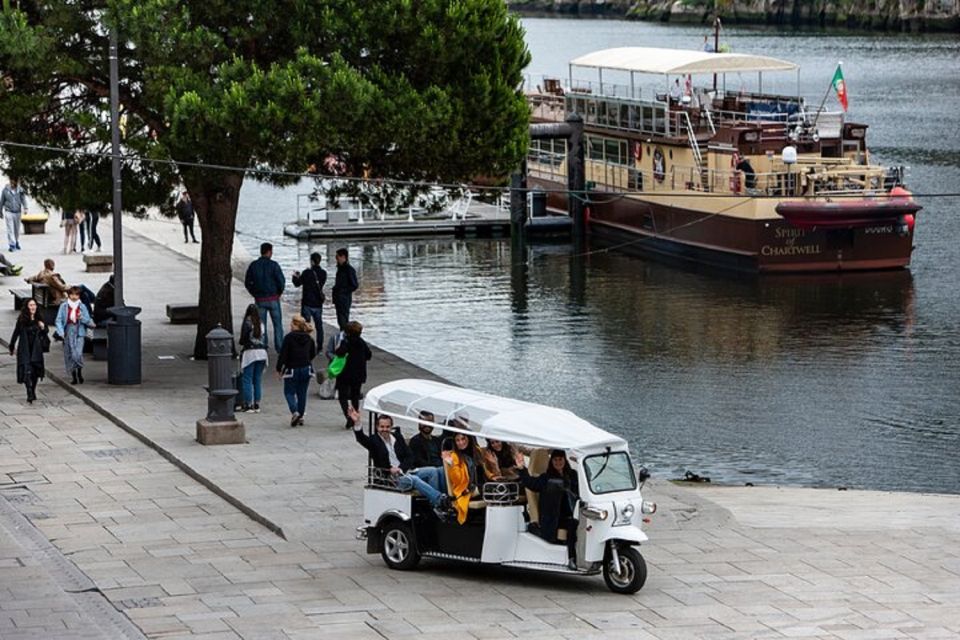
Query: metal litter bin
123, 346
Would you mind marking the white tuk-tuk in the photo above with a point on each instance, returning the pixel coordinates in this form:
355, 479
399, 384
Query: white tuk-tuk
402, 527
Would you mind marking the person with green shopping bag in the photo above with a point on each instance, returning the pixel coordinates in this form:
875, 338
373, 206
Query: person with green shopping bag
354, 372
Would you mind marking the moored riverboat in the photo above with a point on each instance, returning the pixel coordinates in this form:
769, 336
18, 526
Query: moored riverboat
749, 180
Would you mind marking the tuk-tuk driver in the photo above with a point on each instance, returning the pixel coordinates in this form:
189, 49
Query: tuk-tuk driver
558, 489
389, 451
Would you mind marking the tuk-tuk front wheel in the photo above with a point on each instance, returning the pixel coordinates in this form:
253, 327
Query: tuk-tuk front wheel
398, 548
630, 575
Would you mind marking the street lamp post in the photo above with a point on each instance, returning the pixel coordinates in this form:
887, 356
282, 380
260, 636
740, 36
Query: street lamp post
123, 330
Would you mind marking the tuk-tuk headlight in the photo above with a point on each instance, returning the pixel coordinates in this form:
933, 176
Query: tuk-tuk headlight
624, 514
648, 508
593, 513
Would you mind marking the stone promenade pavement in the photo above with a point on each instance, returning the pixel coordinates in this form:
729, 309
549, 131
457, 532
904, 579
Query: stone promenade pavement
256, 540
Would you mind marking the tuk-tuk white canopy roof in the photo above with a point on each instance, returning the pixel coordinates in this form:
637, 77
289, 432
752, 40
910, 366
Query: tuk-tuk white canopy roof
678, 61
488, 416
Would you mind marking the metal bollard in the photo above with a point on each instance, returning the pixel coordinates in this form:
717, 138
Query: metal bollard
221, 425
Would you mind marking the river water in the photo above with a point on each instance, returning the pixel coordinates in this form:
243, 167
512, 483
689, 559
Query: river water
816, 381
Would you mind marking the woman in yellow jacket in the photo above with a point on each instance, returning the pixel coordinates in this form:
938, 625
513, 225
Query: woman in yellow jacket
462, 468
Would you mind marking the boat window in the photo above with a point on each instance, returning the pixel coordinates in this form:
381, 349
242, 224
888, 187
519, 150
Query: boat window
608, 473
596, 148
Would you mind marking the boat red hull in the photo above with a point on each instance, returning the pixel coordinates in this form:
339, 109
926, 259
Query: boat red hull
755, 246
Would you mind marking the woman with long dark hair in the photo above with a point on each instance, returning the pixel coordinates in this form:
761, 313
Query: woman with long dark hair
253, 359
29, 341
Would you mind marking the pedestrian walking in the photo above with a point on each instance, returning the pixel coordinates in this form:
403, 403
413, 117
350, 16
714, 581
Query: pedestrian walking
311, 301
81, 217
265, 282
89, 228
253, 359
68, 221
343, 287
29, 341
13, 204
185, 213
354, 374
73, 320
294, 368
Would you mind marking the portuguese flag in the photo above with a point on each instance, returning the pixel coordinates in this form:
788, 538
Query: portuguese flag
840, 86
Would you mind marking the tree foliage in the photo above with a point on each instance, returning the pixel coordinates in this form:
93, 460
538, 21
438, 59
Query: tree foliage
416, 89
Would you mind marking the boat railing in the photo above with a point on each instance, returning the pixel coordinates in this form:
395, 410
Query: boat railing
544, 106
783, 181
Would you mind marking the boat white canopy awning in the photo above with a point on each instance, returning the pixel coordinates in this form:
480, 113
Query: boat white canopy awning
487, 415
678, 61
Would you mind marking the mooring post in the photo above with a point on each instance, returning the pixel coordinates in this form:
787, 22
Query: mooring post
518, 209
576, 176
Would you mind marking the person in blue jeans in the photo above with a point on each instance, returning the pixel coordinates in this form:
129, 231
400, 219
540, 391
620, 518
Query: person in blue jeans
293, 367
311, 302
253, 359
265, 282
389, 451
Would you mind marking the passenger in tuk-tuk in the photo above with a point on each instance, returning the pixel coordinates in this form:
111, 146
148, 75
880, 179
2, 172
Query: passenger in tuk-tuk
388, 448
425, 447
389, 451
499, 461
463, 471
559, 490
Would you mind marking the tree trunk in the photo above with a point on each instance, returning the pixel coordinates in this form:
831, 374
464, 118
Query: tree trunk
215, 204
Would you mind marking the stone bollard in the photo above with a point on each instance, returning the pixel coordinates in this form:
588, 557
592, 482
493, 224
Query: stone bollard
221, 425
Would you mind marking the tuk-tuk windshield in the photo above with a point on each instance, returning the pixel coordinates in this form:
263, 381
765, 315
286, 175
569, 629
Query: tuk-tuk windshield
610, 472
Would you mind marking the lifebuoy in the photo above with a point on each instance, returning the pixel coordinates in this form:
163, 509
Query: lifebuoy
734, 173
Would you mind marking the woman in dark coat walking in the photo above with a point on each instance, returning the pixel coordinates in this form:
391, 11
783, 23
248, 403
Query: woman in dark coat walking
30, 339
354, 373
297, 351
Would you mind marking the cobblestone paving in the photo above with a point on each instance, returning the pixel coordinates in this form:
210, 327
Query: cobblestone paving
179, 561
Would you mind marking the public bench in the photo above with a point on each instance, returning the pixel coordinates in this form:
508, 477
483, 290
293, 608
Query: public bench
183, 313
45, 304
98, 263
20, 297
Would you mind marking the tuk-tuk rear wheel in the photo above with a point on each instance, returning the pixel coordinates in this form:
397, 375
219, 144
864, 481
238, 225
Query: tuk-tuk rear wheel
632, 574
398, 547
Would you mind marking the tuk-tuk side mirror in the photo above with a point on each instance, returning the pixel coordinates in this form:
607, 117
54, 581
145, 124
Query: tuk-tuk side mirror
642, 475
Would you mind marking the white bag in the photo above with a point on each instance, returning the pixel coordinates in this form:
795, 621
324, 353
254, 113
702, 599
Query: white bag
328, 389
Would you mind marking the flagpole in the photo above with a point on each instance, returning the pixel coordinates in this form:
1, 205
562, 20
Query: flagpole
826, 95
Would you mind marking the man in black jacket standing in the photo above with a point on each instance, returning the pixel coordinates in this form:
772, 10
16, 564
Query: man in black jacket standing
311, 302
265, 282
343, 287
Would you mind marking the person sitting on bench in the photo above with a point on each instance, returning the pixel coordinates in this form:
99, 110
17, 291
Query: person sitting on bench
54, 281
103, 301
559, 490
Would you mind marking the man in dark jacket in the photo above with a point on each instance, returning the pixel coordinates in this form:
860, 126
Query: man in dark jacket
311, 302
185, 213
425, 447
265, 282
103, 301
343, 287
389, 453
